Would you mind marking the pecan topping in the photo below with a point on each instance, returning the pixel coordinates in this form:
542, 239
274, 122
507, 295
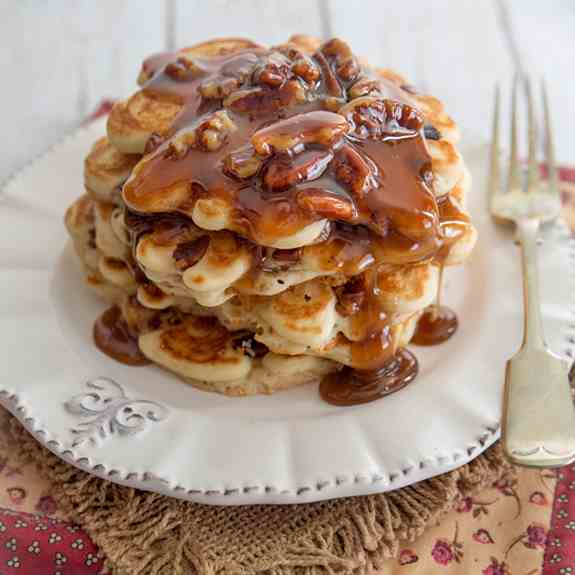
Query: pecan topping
291, 135
365, 87
273, 71
350, 296
346, 66
284, 173
218, 87
374, 119
326, 203
243, 163
353, 171
184, 69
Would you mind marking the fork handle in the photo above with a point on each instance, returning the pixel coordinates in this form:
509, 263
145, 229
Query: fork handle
538, 417
527, 230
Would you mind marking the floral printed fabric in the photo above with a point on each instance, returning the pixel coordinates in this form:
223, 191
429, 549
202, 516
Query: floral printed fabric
502, 531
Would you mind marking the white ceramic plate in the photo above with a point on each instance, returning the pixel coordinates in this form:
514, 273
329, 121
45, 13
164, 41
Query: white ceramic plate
145, 428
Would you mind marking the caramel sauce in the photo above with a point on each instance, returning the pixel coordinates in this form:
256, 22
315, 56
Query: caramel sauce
288, 162
436, 325
112, 336
353, 387
284, 129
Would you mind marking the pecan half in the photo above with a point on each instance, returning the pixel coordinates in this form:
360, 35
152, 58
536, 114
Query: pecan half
373, 118
291, 135
283, 173
346, 66
326, 203
353, 171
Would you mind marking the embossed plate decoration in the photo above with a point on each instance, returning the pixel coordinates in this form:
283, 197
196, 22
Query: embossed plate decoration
143, 427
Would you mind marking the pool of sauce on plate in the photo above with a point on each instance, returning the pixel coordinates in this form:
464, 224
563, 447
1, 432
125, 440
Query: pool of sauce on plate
436, 325
113, 337
353, 387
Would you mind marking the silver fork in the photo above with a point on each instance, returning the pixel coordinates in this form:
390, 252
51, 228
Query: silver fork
538, 417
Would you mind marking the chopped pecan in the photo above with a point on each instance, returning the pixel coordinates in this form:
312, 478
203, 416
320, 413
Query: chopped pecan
364, 87
346, 66
283, 173
189, 253
218, 87
331, 83
293, 93
353, 171
325, 203
306, 69
243, 163
318, 127
184, 69
273, 71
350, 296
179, 145
213, 132
373, 118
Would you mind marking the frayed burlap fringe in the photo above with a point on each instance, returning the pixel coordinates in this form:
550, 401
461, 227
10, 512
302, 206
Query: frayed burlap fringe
143, 533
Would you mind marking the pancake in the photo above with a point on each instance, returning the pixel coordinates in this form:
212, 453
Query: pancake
106, 169
265, 217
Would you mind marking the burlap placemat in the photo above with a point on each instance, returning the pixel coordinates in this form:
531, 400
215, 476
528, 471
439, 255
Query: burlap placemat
145, 533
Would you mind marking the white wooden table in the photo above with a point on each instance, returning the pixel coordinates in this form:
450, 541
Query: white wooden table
58, 58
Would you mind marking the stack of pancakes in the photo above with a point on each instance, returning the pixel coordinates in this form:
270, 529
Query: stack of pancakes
264, 217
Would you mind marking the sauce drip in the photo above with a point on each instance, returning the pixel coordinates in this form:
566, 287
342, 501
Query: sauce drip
438, 322
113, 337
436, 325
353, 387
